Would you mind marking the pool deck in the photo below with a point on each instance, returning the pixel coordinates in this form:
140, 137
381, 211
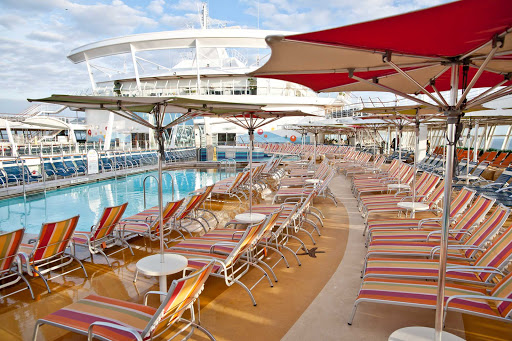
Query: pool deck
312, 301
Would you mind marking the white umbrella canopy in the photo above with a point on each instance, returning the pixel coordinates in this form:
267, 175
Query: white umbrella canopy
453, 47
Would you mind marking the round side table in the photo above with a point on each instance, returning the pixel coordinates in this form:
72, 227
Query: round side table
151, 266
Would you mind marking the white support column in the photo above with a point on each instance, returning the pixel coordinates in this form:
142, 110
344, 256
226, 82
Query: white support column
14, 147
89, 71
108, 133
135, 67
389, 140
422, 143
475, 141
488, 140
507, 137
198, 86
481, 137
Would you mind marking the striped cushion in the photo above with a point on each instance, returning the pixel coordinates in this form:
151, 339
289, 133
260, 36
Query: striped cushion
53, 239
400, 225
416, 268
504, 290
412, 248
9, 243
423, 294
78, 316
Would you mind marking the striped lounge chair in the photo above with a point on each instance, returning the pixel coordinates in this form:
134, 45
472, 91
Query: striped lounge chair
278, 237
459, 249
149, 226
424, 180
389, 204
111, 319
48, 252
479, 270
9, 273
102, 235
458, 205
459, 230
459, 297
232, 258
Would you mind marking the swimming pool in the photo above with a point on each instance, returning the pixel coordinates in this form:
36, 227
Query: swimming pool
88, 200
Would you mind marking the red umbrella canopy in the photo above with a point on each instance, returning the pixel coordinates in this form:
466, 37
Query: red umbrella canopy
421, 45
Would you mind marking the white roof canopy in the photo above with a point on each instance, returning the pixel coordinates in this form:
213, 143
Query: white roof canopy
227, 38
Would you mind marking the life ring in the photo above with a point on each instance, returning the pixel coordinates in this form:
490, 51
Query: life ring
293, 138
259, 131
89, 132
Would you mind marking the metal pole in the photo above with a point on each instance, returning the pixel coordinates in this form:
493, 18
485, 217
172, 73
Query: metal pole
251, 143
416, 153
314, 162
450, 153
161, 154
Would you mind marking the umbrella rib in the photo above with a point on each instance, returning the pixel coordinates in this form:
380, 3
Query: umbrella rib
396, 92
412, 80
486, 92
438, 93
484, 45
132, 117
344, 70
339, 46
500, 93
477, 75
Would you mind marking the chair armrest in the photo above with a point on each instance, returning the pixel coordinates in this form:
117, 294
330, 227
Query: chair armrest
153, 293
212, 248
477, 297
132, 331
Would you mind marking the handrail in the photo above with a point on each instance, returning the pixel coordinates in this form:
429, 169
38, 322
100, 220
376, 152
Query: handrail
172, 184
144, 187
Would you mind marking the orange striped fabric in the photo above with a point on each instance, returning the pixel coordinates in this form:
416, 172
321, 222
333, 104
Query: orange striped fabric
9, 244
169, 211
53, 240
107, 223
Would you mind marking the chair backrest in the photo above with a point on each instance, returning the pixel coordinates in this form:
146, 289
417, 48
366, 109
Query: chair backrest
170, 209
191, 205
507, 160
429, 184
205, 195
499, 158
251, 238
480, 168
436, 195
461, 201
421, 182
498, 254
108, 221
182, 293
487, 229
9, 244
473, 216
504, 290
505, 176
53, 239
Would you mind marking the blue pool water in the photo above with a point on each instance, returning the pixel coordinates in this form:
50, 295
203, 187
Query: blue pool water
88, 200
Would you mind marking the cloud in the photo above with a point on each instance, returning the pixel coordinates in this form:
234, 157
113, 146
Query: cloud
121, 18
46, 36
156, 6
187, 5
10, 21
34, 5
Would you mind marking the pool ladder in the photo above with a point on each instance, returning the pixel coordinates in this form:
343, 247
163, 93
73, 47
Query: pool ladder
154, 177
228, 165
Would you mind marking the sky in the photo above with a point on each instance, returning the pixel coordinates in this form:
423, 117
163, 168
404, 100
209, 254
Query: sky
37, 35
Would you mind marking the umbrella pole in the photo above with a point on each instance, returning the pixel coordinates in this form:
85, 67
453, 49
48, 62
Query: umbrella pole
398, 141
417, 133
314, 162
251, 143
452, 121
161, 154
